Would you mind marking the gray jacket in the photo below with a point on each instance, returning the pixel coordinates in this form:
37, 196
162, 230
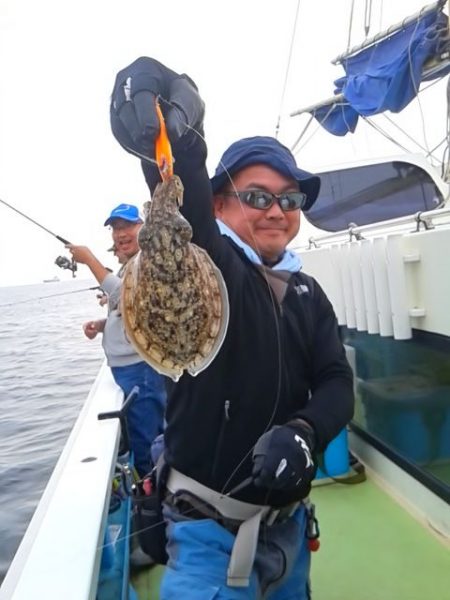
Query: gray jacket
118, 350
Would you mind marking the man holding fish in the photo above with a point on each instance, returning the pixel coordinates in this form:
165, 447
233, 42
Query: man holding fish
243, 434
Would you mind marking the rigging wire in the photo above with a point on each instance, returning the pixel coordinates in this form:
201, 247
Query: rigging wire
283, 93
304, 130
438, 145
406, 134
416, 88
295, 150
367, 17
350, 25
385, 134
426, 147
445, 169
318, 127
430, 84
380, 130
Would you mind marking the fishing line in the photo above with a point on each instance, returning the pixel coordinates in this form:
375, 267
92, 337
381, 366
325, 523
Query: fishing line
135, 532
97, 287
273, 300
278, 337
277, 400
58, 237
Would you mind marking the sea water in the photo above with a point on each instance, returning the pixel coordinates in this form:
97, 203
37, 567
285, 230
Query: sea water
47, 367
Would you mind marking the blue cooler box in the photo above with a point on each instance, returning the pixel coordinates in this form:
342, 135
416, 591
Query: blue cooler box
336, 458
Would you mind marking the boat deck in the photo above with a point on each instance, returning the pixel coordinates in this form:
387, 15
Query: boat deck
371, 549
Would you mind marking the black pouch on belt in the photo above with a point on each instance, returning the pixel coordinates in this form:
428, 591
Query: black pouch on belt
148, 521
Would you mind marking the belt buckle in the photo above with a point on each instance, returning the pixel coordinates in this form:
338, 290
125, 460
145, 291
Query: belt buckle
281, 514
272, 516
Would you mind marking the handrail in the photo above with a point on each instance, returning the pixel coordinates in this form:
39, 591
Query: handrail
355, 231
333, 100
59, 556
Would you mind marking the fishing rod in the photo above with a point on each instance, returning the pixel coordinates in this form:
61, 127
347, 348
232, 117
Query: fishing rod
62, 261
58, 237
96, 287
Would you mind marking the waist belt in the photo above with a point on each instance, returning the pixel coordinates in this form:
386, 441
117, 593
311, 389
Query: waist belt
249, 515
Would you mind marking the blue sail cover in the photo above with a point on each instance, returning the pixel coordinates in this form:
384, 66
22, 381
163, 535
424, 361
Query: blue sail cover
386, 75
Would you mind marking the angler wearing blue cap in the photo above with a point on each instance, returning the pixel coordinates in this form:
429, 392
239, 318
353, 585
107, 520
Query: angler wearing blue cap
241, 436
146, 413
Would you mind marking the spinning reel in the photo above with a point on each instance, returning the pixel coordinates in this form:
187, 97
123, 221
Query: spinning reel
65, 263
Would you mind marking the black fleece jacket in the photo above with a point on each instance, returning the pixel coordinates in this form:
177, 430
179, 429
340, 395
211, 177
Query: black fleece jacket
277, 363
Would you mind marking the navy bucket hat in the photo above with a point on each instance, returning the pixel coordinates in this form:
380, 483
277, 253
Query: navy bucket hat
267, 151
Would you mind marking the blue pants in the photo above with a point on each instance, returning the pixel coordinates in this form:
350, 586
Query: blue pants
199, 552
146, 413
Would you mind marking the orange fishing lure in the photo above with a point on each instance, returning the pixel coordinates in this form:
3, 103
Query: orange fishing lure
163, 149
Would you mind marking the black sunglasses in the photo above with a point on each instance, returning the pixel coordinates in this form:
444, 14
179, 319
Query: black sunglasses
263, 200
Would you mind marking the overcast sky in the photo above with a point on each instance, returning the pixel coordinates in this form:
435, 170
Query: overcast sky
59, 162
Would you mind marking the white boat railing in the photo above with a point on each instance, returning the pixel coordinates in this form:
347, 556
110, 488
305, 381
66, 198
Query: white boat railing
59, 556
372, 281
366, 283
426, 219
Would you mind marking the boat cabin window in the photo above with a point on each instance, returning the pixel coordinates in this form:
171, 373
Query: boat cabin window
372, 193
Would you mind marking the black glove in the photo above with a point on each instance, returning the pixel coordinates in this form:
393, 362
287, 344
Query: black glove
134, 121
282, 458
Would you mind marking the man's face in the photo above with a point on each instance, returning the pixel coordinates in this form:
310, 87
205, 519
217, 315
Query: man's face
124, 235
266, 231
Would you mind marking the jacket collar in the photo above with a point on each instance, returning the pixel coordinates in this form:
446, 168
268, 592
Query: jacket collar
290, 261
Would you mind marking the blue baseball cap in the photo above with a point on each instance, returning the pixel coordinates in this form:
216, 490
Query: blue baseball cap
128, 212
267, 151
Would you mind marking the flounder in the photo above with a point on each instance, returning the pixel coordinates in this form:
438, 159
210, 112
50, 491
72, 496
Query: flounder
174, 300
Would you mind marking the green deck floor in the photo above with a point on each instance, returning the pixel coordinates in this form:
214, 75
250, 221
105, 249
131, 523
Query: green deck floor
371, 549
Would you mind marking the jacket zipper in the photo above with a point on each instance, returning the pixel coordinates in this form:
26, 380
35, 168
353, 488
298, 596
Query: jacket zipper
225, 420
272, 295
